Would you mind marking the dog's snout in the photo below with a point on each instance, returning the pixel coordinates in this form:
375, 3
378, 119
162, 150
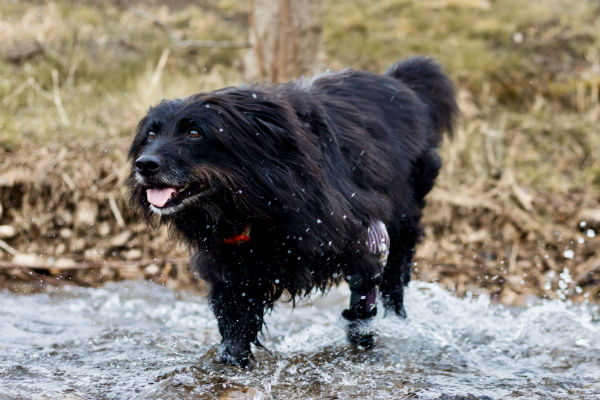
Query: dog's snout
147, 164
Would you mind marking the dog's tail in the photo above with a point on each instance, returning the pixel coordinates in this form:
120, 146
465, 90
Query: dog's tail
426, 78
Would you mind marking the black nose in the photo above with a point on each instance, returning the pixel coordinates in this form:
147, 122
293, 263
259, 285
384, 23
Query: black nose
147, 164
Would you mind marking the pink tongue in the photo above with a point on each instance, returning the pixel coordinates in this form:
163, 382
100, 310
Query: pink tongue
159, 197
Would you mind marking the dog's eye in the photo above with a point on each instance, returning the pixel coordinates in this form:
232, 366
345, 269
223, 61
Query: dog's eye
151, 135
194, 134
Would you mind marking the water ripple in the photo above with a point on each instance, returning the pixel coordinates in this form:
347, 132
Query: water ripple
142, 341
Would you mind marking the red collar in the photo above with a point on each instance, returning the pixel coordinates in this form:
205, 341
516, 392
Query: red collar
239, 239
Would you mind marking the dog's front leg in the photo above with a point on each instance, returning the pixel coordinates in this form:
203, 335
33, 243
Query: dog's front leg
362, 309
239, 310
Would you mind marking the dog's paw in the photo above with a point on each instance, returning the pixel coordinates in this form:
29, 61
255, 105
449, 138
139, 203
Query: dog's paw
394, 303
358, 330
231, 355
360, 333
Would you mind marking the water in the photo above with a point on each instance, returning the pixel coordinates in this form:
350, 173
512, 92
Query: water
143, 341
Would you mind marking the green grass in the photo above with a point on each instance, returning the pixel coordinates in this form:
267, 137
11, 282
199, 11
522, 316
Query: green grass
104, 58
527, 72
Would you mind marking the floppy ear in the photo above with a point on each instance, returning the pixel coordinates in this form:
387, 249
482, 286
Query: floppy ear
276, 132
138, 139
266, 126
258, 110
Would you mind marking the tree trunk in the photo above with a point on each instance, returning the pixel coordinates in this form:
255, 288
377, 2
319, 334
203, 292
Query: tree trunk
285, 38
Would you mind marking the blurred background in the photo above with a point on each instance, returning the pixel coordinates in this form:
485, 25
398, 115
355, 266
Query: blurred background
516, 212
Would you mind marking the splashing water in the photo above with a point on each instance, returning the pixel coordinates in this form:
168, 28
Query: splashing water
143, 341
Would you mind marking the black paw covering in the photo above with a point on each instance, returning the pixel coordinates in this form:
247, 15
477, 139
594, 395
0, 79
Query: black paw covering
359, 331
394, 302
237, 357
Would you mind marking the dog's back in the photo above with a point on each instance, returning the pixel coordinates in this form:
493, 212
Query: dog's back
380, 131
381, 134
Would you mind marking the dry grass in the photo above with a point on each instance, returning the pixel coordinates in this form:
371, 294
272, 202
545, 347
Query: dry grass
525, 160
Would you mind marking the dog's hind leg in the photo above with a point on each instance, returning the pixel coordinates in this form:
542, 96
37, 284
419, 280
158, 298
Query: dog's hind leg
406, 234
424, 172
239, 310
396, 274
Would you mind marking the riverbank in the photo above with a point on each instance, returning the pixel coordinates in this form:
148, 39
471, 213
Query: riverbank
516, 210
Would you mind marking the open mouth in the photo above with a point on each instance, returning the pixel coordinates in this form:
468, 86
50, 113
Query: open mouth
171, 196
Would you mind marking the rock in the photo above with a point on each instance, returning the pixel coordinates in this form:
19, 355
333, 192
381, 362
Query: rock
7, 231
92, 254
152, 269
86, 213
589, 218
60, 248
24, 51
121, 239
65, 233
107, 273
129, 272
104, 229
63, 262
250, 393
467, 396
77, 245
515, 282
63, 218
28, 260
133, 254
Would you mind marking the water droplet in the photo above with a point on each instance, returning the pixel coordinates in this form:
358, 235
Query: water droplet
253, 95
568, 254
590, 233
318, 221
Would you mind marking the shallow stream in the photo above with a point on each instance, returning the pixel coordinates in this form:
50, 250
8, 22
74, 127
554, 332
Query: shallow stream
138, 340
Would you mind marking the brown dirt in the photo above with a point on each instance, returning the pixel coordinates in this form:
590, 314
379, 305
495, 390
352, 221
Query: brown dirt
64, 220
515, 213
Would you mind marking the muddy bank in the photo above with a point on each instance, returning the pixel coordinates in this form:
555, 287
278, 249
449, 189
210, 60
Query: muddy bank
65, 220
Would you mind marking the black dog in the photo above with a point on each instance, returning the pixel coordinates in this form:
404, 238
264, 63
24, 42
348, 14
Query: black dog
295, 186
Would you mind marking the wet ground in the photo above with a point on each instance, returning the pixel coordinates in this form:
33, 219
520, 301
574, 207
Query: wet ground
140, 340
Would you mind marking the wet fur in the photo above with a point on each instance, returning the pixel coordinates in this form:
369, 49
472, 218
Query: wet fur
307, 164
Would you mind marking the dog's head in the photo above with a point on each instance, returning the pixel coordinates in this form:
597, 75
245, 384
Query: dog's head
230, 151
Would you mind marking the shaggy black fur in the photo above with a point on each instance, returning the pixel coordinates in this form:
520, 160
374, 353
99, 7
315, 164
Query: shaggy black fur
307, 165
